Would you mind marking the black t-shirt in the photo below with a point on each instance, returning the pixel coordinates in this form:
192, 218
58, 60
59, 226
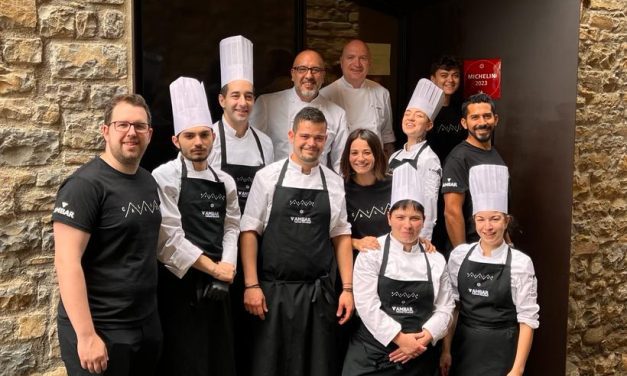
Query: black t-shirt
447, 131
455, 176
367, 207
121, 213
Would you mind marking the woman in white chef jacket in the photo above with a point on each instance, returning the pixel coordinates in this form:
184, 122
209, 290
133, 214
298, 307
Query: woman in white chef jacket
495, 286
402, 295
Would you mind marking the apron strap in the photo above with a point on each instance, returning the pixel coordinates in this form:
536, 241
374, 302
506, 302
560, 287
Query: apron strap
414, 162
263, 159
184, 170
386, 252
279, 182
222, 144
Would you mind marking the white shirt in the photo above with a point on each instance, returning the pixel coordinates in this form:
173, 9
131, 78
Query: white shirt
367, 106
177, 253
240, 150
402, 266
428, 175
274, 114
259, 204
524, 283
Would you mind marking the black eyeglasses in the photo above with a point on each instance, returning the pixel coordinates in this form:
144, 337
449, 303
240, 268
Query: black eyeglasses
301, 69
124, 126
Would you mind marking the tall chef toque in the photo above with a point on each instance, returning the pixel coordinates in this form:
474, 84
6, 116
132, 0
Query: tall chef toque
489, 188
189, 104
236, 59
427, 97
406, 185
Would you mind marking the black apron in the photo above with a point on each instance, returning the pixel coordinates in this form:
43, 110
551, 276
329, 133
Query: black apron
394, 163
486, 336
297, 336
411, 304
243, 176
197, 332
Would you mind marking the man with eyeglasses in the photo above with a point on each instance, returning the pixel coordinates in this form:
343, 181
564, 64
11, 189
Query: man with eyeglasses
106, 225
367, 104
273, 113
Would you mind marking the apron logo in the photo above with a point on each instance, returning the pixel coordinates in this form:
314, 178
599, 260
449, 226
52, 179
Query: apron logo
244, 179
242, 194
479, 276
402, 309
479, 292
301, 220
299, 203
210, 214
405, 295
212, 197
140, 209
369, 213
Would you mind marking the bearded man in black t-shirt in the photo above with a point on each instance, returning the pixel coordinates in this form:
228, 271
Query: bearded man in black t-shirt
106, 225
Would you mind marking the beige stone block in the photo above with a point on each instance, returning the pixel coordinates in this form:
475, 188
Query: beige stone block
86, 24
77, 158
16, 80
32, 326
36, 200
17, 358
67, 95
20, 235
17, 294
27, 147
22, 50
602, 21
56, 21
88, 61
11, 181
82, 130
21, 13
59, 371
585, 248
611, 5
100, 94
19, 109
112, 24
52, 177
106, 1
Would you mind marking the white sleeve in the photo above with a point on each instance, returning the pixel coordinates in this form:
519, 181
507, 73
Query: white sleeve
259, 116
387, 131
432, 173
176, 252
256, 209
231, 222
525, 294
438, 323
452, 267
367, 302
335, 154
339, 221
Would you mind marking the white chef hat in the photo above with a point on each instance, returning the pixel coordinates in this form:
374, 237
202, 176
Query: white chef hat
236, 59
189, 104
427, 97
489, 188
406, 185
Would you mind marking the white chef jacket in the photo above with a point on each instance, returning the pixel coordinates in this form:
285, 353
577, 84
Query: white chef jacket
524, 283
402, 266
368, 106
240, 150
274, 114
428, 175
176, 252
259, 204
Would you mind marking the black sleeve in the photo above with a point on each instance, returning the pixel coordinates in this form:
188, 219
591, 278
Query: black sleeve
454, 175
78, 204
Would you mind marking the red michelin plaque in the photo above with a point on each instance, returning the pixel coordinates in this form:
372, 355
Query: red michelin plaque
482, 76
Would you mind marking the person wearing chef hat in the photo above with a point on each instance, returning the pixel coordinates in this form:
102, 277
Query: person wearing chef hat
274, 112
495, 287
479, 118
402, 294
197, 244
423, 107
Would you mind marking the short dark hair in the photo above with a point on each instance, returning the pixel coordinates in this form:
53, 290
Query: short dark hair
478, 98
224, 90
374, 142
132, 99
446, 62
311, 114
408, 203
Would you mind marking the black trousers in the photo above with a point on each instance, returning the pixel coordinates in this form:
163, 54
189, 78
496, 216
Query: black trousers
132, 351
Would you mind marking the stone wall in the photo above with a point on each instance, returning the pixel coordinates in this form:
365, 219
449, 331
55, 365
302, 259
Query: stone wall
597, 324
59, 62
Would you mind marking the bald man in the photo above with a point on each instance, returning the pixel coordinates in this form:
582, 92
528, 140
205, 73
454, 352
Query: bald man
274, 113
367, 104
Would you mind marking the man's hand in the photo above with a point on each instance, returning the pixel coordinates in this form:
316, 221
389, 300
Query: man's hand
427, 245
255, 302
92, 353
224, 271
409, 347
367, 243
445, 363
345, 307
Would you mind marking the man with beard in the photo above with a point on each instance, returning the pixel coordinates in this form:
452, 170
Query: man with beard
197, 244
274, 113
106, 224
367, 104
297, 209
479, 118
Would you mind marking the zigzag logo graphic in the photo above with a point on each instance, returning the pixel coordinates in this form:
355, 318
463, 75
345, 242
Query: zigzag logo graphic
242, 179
300, 203
212, 196
369, 213
140, 209
480, 276
405, 295
448, 128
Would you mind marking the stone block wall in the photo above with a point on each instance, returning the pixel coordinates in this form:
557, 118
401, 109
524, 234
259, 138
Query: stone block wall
59, 62
597, 323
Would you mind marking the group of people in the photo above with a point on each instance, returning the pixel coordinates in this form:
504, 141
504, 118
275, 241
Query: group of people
289, 238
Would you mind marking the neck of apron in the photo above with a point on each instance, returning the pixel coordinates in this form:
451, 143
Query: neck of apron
413, 162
